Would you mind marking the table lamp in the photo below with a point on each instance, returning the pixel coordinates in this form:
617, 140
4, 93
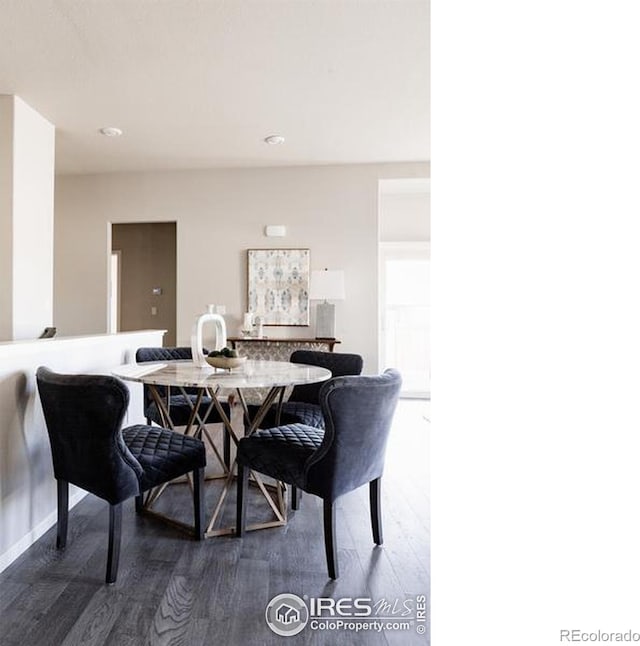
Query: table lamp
325, 286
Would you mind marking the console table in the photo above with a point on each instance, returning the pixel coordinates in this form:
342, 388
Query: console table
272, 349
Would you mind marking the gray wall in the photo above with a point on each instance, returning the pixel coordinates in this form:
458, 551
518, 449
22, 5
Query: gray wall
219, 214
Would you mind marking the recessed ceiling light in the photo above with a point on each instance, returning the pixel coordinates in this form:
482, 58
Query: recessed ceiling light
110, 131
274, 139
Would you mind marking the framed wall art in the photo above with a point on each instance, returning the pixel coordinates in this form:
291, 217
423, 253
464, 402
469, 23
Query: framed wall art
278, 285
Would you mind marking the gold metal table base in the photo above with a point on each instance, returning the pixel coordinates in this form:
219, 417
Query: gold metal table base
197, 428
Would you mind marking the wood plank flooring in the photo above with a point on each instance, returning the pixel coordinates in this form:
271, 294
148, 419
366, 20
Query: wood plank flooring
173, 590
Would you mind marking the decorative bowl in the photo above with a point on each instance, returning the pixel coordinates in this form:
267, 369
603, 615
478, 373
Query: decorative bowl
226, 362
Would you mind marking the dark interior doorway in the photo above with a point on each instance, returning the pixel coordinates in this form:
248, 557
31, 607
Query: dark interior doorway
145, 285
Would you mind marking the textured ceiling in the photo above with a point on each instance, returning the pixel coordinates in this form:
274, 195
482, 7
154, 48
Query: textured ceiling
200, 83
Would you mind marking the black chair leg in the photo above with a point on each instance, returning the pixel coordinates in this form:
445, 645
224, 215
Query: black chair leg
376, 516
63, 514
330, 539
115, 534
198, 506
241, 504
295, 497
226, 448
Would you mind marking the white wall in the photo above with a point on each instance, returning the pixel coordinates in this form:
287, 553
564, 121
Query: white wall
332, 210
407, 217
27, 486
27, 145
34, 159
6, 217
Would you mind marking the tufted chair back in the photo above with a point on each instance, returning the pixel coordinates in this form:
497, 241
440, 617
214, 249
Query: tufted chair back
84, 416
358, 412
339, 363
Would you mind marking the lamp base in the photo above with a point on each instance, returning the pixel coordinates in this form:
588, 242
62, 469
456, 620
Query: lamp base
325, 321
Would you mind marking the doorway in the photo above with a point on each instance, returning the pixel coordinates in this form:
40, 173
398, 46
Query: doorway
405, 277
404, 282
143, 278
114, 293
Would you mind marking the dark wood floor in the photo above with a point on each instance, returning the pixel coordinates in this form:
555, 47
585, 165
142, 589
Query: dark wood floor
173, 590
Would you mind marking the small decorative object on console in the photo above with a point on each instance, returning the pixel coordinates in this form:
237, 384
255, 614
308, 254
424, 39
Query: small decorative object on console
247, 324
258, 330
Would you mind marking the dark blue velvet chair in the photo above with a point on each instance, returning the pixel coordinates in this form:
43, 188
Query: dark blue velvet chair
303, 405
180, 410
91, 450
358, 411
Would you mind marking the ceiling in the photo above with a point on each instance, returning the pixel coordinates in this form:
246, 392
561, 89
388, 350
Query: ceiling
201, 83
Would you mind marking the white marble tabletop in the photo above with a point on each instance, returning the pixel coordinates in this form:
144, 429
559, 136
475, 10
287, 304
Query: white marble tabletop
252, 374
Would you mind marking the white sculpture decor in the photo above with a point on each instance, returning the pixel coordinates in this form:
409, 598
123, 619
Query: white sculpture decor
196, 335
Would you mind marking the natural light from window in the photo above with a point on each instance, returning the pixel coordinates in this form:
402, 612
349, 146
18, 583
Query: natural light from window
406, 321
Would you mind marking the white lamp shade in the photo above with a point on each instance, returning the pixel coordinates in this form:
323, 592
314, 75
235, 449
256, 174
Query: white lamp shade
327, 285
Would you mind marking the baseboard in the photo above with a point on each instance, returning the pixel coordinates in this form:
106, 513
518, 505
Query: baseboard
8, 557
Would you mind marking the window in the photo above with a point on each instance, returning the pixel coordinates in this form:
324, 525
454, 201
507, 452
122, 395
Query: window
405, 312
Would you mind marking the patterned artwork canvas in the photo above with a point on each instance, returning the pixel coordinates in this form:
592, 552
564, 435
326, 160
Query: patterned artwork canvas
278, 285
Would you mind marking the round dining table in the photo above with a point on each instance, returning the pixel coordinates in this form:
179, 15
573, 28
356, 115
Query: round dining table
274, 377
